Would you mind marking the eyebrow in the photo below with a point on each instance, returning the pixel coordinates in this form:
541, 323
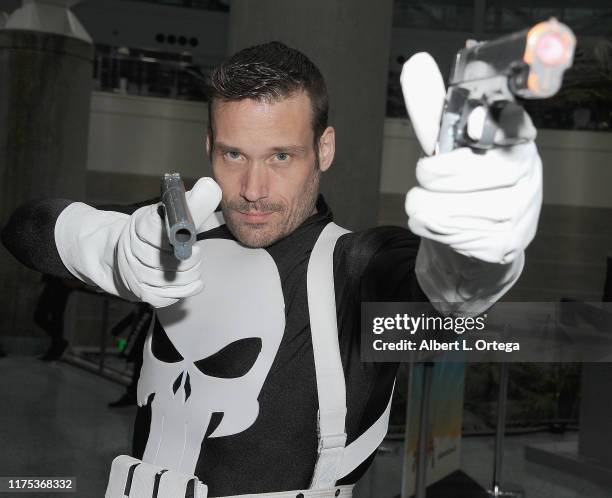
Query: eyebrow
225, 147
292, 149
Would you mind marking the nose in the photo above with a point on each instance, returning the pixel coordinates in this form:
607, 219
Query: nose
255, 183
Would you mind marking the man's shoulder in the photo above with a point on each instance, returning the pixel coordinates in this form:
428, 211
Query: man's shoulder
365, 244
375, 249
378, 263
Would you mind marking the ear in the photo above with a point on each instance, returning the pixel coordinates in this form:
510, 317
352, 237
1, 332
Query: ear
327, 148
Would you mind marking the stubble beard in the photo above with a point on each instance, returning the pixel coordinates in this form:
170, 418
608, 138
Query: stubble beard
257, 235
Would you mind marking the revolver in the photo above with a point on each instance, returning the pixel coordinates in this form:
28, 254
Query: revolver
528, 64
179, 223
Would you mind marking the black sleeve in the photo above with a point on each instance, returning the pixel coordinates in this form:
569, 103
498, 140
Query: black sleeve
379, 264
29, 234
390, 275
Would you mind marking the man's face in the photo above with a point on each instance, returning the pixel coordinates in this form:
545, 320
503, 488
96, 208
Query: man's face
264, 160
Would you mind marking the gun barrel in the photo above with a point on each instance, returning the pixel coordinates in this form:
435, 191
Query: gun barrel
533, 60
179, 223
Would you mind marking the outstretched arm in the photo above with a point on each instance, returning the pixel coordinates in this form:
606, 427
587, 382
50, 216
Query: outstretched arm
124, 254
29, 234
475, 211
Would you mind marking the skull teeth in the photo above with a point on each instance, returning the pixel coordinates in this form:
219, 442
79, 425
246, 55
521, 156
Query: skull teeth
177, 383
186, 386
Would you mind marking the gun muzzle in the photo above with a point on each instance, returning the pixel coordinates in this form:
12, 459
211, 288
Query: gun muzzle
179, 223
549, 52
532, 60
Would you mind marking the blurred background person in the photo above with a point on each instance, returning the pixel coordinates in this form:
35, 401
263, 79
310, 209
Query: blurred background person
49, 313
138, 322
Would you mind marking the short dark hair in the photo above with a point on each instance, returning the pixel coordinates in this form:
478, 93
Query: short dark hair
270, 72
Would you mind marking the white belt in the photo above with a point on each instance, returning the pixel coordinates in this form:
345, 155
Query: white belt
134, 478
335, 492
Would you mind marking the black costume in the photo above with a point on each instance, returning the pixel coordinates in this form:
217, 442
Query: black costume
278, 450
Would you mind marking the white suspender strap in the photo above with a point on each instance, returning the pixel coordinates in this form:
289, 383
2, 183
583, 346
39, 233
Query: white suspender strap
331, 386
366, 444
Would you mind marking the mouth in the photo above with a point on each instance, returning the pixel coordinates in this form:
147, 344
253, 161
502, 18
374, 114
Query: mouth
254, 216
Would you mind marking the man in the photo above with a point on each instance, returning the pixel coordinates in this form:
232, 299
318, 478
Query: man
49, 313
138, 322
252, 379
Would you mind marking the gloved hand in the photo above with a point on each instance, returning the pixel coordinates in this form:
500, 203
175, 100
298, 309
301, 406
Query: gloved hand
130, 256
476, 212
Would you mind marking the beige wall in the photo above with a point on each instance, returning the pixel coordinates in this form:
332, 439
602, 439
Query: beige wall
146, 136
577, 164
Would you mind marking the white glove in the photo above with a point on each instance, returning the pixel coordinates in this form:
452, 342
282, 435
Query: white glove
130, 256
476, 212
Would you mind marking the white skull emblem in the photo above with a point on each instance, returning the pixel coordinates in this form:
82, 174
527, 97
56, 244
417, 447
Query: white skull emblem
226, 339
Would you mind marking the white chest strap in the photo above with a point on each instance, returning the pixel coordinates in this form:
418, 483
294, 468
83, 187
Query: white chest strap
334, 459
331, 388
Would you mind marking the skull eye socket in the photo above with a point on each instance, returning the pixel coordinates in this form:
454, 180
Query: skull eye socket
162, 347
233, 361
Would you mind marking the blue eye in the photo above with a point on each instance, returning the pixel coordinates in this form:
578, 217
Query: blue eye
282, 156
232, 154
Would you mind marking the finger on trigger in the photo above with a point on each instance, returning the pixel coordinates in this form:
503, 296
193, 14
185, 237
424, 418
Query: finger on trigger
511, 124
476, 123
